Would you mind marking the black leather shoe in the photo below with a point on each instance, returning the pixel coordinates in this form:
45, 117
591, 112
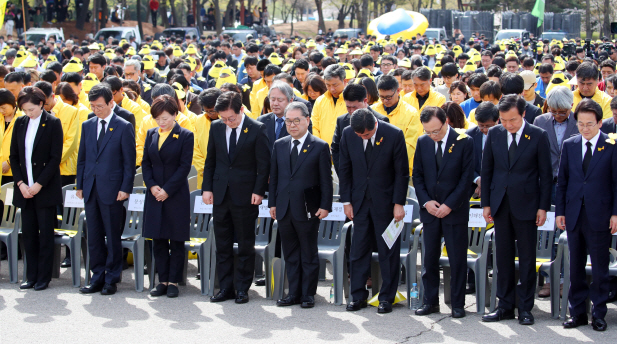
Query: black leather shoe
458, 313
223, 295
356, 305
109, 289
308, 302
242, 297
471, 289
576, 321
598, 324
384, 307
498, 314
525, 318
290, 300
91, 288
427, 309
261, 282
160, 290
172, 291
66, 263
27, 285
41, 286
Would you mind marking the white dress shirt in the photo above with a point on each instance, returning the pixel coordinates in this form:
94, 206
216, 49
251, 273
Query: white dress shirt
519, 133
33, 127
443, 142
594, 143
302, 139
372, 137
238, 130
107, 120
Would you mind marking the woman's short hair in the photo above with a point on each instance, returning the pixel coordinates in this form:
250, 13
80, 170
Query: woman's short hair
30, 94
7, 97
164, 103
316, 82
455, 114
65, 90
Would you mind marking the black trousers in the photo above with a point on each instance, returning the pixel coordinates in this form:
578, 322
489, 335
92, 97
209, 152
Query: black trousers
104, 221
582, 239
38, 237
510, 234
232, 221
456, 240
299, 241
169, 256
367, 231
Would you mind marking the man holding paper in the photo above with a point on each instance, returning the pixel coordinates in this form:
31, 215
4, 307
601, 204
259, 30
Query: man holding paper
443, 172
373, 175
300, 195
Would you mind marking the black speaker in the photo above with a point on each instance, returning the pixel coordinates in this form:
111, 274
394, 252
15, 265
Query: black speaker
614, 28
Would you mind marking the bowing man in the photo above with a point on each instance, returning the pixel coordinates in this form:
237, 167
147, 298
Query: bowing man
235, 181
374, 174
442, 175
516, 193
586, 207
300, 195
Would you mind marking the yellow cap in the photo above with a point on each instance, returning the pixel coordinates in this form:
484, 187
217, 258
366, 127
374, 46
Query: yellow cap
469, 67
275, 59
110, 53
226, 76
74, 65
311, 43
19, 58
288, 65
405, 62
215, 70
90, 80
430, 50
179, 90
350, 72
437, 67
191, 61
122, 41
131, 51
356, 51
145, 50
177, 51
457, 50
364, 72
340, 50
190, 50
148, 62
558, 79
94, 46
28, 62
50, 58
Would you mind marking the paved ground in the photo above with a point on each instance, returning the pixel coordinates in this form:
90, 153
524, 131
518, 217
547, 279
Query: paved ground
62, 314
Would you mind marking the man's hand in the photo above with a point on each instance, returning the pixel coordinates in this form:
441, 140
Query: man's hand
256, 199
273, 213
122, 196
207, 197
25, 190
432, 207
162, 196
540, 217
80, 194
321, 213
613, 224
348, 208
479, 187
36, 188
5, 167
487, 215
399, 212
561, 222
443, 211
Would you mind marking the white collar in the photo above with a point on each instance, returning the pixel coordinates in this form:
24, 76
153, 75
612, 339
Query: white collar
594, 140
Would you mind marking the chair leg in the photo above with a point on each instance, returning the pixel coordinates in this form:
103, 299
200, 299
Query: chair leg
138, 260
268, 274
12, 248
75, 245
480, 279
338, 277
322, 269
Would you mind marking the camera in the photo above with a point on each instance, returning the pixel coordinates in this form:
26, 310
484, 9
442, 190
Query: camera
569, 49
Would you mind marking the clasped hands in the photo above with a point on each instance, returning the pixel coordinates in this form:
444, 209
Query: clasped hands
437, 210
29, 191
159, 193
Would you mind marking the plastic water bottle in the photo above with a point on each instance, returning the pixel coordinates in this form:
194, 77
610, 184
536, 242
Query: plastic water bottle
332, 293
414, 298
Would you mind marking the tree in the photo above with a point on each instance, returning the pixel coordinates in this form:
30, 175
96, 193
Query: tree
322, 23
607, 18
163, 13
588, 19
217, 16
81, 13
141, 30
363, 20
174, 14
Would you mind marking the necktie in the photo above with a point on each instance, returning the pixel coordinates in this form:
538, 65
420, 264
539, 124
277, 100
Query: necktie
439, 155
512, 149
101, 135
232, 144
294, 154
368, 150
587, 157
279, 126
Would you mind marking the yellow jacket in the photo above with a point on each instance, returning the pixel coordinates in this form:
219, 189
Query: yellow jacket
148, 123
83, 99
69, 117
144, 104
83, 112
258, 106
200, 148
406, 118
434, 99
600, 97
257, 86
191, 116
324, 115
6, 140
133, 108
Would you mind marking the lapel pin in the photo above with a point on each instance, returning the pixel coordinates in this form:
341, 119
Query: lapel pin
111, 129
176, 136
450, 150
246, 130
380, 141
600, 148
527, 137
43, 125
304, 151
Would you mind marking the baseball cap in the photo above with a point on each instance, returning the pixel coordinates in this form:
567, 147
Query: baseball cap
529, 77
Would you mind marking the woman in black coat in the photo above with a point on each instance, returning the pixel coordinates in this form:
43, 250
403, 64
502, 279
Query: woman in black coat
168, 153
36, 151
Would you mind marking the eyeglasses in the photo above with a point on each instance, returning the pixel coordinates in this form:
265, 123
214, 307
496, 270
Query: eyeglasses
582, 125
387, 64
485, 126
434, 133
295, 121
211, 112
98, 107
229, 120
387, 98
560, 113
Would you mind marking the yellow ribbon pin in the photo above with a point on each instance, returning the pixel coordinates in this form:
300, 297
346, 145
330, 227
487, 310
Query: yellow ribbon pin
111, 129
450, 150
43, 125
380, 140
304, 151
176, 136
600, 148
527, 137
246, 130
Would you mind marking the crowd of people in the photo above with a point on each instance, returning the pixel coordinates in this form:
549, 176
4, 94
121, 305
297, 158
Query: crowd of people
519, 128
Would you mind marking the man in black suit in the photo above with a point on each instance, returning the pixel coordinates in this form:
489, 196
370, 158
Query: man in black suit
486, 116
516, 193
122, 113
442, 175
300, 196
608, 125
235, 180
374, 174
355, 98
514, 84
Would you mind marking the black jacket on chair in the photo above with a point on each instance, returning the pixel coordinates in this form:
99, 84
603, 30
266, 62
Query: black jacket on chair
46, 156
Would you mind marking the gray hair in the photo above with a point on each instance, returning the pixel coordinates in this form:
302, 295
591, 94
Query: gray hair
560, 98
284, 88
10, 53
297, 106
334, 71
423, 73
70, 41
160, 89
134, 63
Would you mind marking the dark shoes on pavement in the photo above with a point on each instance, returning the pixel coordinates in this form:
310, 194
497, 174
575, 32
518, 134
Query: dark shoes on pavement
384, 307
356, 305
223, 295
498, 314
427, 309
576, 321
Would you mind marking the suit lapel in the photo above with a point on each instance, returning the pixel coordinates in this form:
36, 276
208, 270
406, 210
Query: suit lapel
285, 154
552, 135
376, 147
244, 132
502, 141
578, 159
174, 131
109, 131
523, 142
450, 143
598, 153
272, 128
41, 128
307, 147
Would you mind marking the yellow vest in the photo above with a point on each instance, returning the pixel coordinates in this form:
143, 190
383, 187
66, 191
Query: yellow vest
6, 140
69, 117
406, 118
135, 109
148, 123
600, 97
257, 86
434, 99
200, 148
324, 115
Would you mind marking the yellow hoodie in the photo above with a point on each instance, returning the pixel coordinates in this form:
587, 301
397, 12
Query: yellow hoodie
133, 108
600, 97
69, 117
324, 115
257, 86
200, 148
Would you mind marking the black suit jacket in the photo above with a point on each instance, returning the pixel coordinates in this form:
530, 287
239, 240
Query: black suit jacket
342, 122
46, 156
122, 113
269, 120
528, 181
608, 126
451, 185
531, 112
305, 102
476, 135
287, 185
386, 174
248, 173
